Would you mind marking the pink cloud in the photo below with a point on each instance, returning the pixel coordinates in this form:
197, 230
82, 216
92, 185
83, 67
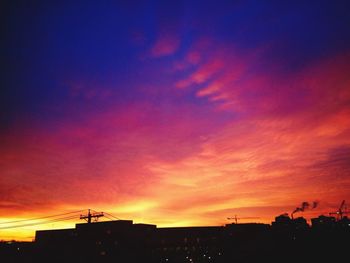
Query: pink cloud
216, 67
165, 45
202, 74
193, 57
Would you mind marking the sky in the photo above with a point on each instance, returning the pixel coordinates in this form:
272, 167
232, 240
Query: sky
174, 113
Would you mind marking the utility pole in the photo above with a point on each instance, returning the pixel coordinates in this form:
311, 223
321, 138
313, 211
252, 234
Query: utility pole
90, 215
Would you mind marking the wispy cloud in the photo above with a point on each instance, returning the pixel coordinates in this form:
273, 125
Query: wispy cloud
165, 45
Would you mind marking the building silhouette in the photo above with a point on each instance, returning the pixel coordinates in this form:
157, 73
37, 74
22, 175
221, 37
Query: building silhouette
123, 241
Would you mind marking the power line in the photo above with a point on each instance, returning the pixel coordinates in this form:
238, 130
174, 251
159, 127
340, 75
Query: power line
40, 218
40, 223
52, 219
108, 214
114, 217
108, 217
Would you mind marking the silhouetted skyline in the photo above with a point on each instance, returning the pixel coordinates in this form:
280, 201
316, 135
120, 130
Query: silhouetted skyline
123, 240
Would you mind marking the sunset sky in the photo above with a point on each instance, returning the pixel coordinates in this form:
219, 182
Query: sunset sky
173, 113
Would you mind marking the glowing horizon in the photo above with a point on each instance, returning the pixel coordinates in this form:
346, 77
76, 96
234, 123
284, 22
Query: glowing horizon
174, 114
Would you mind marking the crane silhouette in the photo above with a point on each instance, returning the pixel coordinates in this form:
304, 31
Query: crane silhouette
342, 210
